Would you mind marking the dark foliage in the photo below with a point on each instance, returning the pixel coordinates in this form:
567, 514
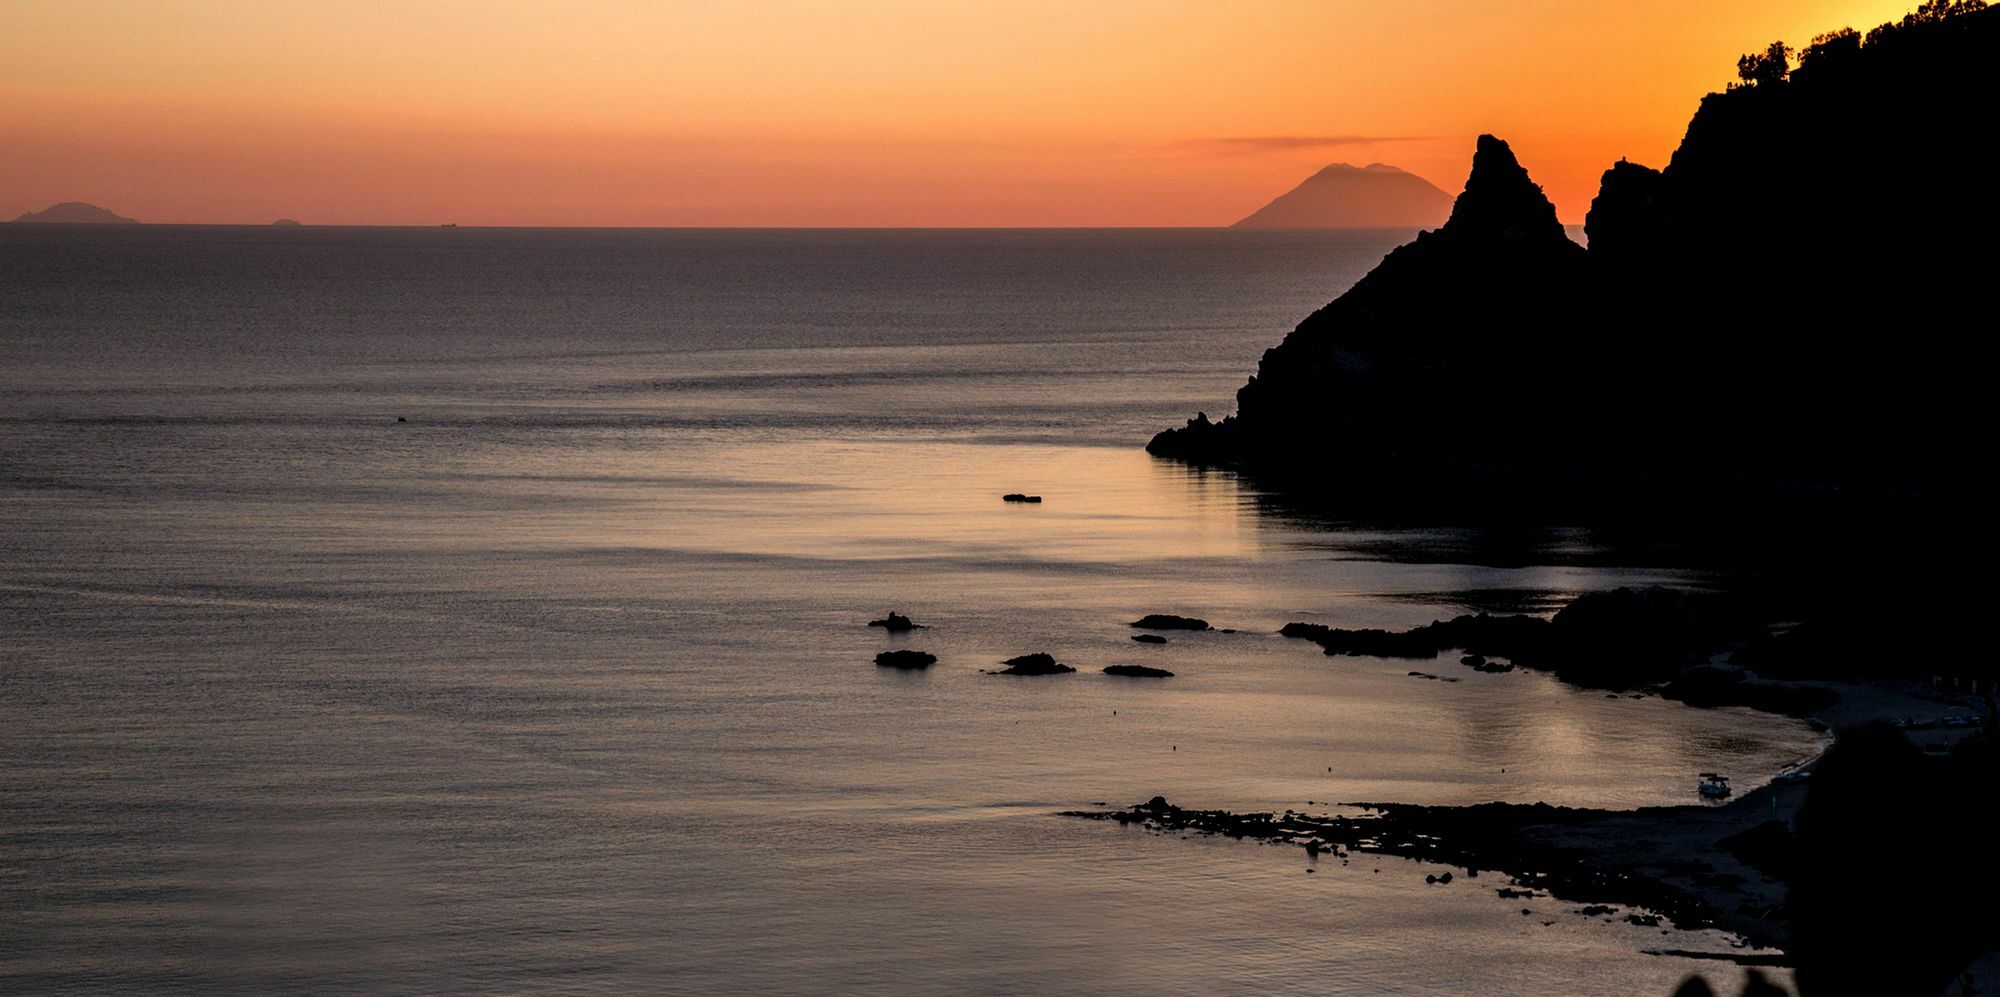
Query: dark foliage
1766, 68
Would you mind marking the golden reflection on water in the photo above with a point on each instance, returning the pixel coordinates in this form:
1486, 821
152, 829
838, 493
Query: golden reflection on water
875, 499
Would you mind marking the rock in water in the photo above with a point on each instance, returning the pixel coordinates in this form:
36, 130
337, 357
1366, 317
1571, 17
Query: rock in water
896, 623
1018, 497
1149, 638
1037, 663
1138, 672
906, 659
1165, 621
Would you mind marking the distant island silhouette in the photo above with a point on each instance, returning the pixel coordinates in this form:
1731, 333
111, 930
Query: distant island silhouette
1342, 196
77, 213
286, 223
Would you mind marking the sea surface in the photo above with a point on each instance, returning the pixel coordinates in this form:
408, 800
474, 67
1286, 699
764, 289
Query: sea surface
483, 610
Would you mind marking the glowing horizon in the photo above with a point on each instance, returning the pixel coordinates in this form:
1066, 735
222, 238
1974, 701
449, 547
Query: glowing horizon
807, 113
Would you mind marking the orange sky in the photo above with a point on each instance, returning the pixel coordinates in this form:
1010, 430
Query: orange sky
816, 112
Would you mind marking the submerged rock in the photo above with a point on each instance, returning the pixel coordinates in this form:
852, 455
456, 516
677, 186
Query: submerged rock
906, 659
1018, 497
1138, 672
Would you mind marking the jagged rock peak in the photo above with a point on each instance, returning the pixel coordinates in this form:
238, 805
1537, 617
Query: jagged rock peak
1500, 201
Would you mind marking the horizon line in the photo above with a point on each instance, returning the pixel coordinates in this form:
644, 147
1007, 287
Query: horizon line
124, 226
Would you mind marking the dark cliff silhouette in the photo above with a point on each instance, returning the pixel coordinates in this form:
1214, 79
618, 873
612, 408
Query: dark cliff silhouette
76, 213
1440, 319
1798, 297
1341, 196
1774, 348
1912, 924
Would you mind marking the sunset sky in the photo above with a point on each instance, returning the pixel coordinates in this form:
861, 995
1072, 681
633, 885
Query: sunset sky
812, 112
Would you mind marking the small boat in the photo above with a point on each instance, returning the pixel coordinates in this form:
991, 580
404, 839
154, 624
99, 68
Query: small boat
1714, 786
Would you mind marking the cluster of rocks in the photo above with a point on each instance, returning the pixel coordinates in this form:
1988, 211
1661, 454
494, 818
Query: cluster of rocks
1039, 662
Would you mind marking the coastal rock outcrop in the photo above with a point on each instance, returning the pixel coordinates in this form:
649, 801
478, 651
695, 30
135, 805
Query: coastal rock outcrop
1617, 639
1450, 315
1784, 302
1138, 671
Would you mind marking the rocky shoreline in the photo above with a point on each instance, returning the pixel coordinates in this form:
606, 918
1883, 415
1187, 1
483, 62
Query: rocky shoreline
1646, 866
1684, 644
1738, 867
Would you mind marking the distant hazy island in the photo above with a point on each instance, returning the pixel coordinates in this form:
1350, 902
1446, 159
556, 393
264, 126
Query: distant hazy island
77, 213
1342, 196
286, 223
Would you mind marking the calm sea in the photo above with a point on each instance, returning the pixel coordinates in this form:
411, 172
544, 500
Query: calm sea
482, 610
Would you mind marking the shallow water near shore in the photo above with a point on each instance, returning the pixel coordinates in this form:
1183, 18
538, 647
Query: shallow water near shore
562, 681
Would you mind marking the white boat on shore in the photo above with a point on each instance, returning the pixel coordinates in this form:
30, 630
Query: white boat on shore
1713, 786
